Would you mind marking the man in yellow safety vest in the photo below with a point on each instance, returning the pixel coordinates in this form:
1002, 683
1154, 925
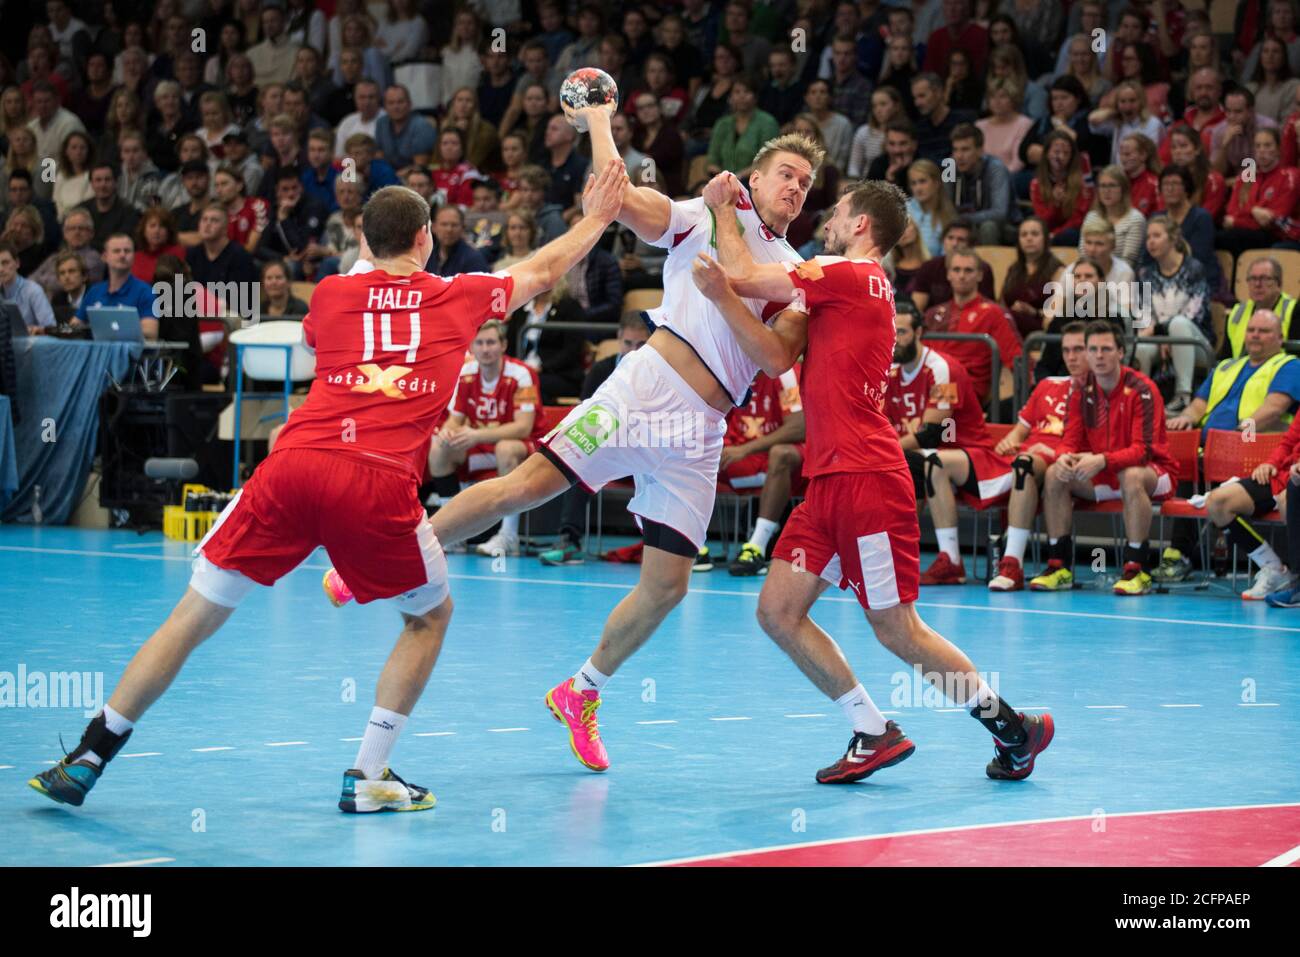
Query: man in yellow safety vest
1264, 282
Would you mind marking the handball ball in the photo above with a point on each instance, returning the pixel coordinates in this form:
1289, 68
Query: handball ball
586, 87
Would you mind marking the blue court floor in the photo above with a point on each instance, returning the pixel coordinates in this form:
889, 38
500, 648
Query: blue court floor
1163, 703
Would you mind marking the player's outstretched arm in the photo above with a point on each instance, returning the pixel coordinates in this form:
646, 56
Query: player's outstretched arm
775, 348
752, 280
645, 211
601, 200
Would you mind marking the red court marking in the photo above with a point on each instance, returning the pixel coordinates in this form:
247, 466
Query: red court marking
1228, 837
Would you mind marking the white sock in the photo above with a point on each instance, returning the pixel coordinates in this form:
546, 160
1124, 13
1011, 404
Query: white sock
381, 734
589, 678
510, 526
862, 711
984, 697
1265, 557
1137, 544
764, 529
116, 722
948, 543
1017, 539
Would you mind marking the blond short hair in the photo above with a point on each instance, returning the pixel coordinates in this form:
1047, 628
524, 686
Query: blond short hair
796, 143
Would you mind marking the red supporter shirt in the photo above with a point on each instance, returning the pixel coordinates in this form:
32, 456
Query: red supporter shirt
1054, 216
980, 315
1288, 449
1290, 132
1164, 151
457, 183
388, 350
1144, 192
1276, 191
938, 382
250, 218
483, 404
770, 401
1126, 425
1044, 412
846, 365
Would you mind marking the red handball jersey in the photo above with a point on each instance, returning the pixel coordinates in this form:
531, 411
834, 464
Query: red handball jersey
980, 315
514, 390
770, 401
388, 350
250, 218
1127, 425
1044, 412
846, 364
938, 382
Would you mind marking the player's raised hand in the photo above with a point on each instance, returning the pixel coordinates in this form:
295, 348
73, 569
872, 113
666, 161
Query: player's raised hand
602, 197
709, 277
722, 191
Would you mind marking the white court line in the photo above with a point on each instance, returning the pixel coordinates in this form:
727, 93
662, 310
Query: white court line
283, 744
948, 710
662, 747
1181, 706
891, 712
661, 721
142, 754
744, 852
805, 715
732, 719
1036, 707
998, 610
220, 747
1105, 707
143, 545
350, 739
141, 862
5, 767
506, 730
1284, 860
431, 734
1258, 704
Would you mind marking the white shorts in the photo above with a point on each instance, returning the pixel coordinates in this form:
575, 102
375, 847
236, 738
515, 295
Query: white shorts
645, 421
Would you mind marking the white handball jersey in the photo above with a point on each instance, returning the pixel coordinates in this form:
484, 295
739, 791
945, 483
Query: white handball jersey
685, 310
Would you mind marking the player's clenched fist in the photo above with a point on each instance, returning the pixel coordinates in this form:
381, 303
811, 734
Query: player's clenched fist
602, 197
722, 190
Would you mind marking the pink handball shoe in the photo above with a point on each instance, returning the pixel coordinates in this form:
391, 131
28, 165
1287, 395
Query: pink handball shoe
336, 589
577, 710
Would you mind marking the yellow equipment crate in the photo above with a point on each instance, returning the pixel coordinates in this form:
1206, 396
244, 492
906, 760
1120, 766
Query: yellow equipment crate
187, 526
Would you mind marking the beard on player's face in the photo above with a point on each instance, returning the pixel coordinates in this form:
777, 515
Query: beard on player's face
903, 354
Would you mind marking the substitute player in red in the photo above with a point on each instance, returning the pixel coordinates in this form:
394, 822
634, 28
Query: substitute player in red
857, 527
933, 405
494, 425
344, 475
763, 449
1114, 447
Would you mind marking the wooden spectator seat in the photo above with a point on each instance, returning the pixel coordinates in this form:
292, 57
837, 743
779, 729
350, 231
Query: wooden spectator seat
1066, 254
1290, 260
605, 349
640, 300
303, 290
698, 171
1222, 14
999, 259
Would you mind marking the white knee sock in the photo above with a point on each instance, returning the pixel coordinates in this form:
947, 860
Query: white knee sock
589, 678
381, 735
862, 711
510, 526
1264, 557
764, 529
948, 543
1017, 539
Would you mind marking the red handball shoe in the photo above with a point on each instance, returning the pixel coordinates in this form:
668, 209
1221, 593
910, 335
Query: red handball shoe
944, 571
1010, 576
867, 754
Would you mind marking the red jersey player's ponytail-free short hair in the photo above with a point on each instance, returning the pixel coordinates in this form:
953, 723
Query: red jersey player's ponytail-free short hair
886, 204
392, 219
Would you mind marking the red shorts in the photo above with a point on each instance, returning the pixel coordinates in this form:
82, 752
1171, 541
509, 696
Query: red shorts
368, 518
751, 471
858, 530
481, 461
1105, 485
992, 480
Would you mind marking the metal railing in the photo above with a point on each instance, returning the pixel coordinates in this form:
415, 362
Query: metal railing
991, 405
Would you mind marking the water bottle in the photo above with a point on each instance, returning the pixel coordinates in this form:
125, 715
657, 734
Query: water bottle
38, 517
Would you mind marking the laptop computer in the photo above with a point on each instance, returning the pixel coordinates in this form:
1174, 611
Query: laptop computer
115, 324
11, 319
